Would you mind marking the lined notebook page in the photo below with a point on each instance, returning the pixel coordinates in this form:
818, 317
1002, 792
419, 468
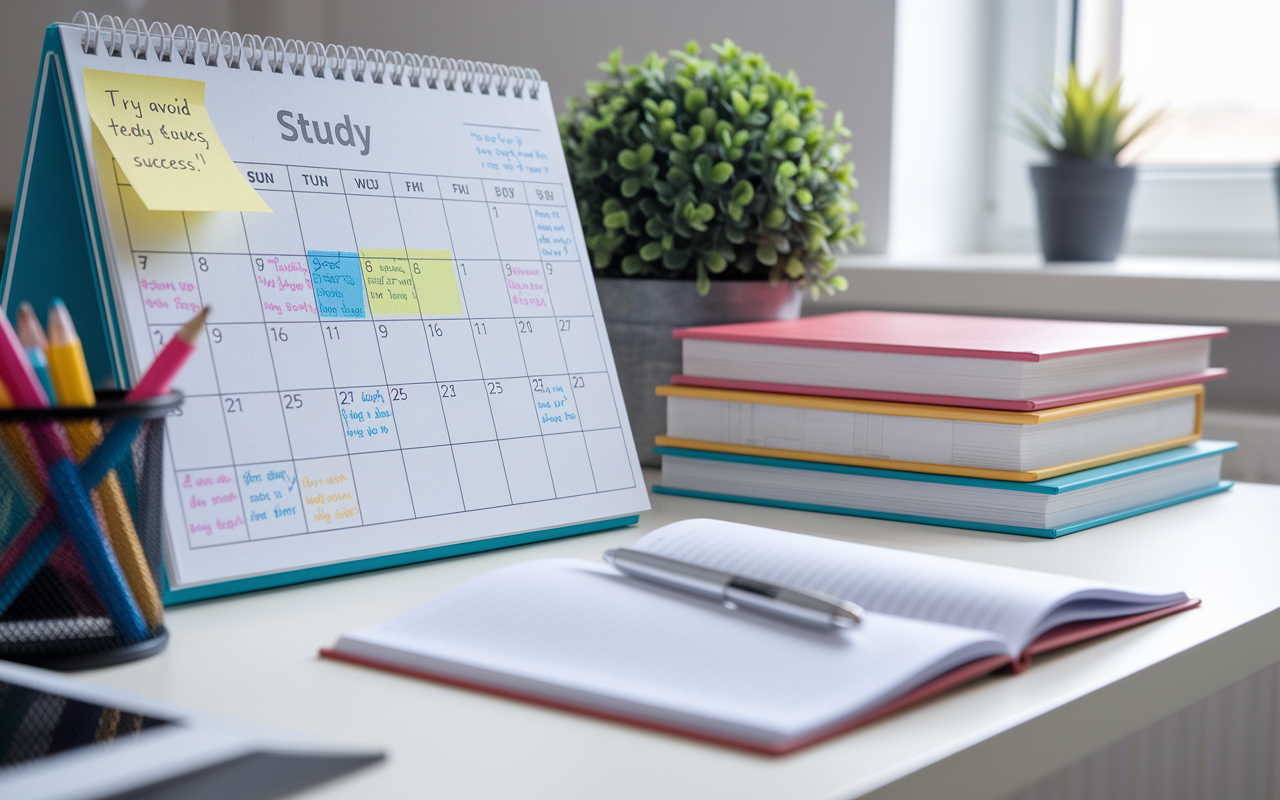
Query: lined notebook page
1010, 602
578, 631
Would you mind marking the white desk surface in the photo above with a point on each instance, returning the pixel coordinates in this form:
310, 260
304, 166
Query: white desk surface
255, 657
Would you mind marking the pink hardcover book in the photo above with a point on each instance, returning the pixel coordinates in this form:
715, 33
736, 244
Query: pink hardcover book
1102, 359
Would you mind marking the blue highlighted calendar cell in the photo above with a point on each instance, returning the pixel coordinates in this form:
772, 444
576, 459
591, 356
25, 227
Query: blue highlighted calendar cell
338, 285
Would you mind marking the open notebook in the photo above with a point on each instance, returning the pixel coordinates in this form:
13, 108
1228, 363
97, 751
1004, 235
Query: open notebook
580, 635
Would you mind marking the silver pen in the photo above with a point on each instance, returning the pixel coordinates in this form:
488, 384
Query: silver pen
801, 606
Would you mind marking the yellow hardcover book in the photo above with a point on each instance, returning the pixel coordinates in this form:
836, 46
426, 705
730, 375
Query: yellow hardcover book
977, 443
930, 412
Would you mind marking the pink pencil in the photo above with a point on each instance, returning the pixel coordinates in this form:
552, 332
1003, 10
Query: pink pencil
16, 372
169, 363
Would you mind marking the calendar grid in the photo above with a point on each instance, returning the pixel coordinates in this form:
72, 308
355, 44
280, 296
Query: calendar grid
462, 290
430, 360
258, 289
155, 346
302, 237
520, 339
413, 443
194, 265
552, 302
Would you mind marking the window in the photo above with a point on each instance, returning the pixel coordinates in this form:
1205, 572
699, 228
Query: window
1213, 67
1205, 183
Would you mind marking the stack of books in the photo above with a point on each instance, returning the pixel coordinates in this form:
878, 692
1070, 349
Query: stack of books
1036, 427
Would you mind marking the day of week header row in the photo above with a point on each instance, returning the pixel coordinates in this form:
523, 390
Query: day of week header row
391, 184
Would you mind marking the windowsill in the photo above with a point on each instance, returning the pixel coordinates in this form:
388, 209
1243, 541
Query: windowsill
1163, 289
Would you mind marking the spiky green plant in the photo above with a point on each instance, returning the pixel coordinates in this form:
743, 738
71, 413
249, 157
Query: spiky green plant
1081, 122
693, 168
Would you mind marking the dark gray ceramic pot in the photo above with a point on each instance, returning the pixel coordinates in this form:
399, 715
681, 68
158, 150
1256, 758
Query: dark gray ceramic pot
1082, 207
640, 315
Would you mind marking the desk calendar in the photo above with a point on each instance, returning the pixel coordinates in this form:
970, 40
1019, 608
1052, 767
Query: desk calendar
405, 357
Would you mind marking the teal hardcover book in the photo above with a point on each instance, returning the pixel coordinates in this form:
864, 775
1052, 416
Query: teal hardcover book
1047, 509
405, 357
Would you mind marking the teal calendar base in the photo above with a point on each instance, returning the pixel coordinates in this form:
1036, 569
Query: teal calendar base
241, 585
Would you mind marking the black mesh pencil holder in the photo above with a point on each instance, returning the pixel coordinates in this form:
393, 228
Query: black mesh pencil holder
81, 516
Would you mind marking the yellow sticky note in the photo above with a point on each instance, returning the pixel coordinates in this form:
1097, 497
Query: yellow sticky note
160, 134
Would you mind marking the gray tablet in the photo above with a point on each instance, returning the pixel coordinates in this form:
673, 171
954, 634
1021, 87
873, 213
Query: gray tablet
61, 740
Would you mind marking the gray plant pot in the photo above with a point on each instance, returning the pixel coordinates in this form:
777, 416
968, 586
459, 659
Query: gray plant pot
1082, 207
640, 315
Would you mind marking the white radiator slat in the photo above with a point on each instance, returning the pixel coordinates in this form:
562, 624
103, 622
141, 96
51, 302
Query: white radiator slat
1226, 747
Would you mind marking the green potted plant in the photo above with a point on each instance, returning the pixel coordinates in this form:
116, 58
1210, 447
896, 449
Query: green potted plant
710, 191
1082, 195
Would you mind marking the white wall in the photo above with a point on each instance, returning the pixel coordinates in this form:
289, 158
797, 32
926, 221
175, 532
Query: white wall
842, 47
22, 36
940, 122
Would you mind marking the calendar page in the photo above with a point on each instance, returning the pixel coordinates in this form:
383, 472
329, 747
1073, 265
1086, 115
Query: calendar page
406, 352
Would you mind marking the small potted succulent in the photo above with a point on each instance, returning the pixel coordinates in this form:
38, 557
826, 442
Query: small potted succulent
710, 191
1082, 194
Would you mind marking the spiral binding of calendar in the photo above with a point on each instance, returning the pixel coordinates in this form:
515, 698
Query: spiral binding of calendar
133, 38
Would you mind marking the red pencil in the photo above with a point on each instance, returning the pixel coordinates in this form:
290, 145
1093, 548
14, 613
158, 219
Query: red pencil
170, 361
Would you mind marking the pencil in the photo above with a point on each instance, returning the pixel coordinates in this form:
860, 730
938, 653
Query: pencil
117, 441
115, 446
159, 377
15, 370
18, 441
70, 374
33, 341
68, 491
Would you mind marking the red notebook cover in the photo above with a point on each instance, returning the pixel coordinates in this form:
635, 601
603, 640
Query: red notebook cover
1004, 338
1061, 636
1033, 404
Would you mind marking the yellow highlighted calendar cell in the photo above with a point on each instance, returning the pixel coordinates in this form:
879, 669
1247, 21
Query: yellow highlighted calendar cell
410, 282
160, 133
437, 282
389, 282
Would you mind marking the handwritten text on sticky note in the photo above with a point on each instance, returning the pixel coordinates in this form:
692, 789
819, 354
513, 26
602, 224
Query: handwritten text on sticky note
161, 135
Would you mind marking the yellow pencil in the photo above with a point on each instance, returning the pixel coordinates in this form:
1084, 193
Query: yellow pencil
70, 375
21, 449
